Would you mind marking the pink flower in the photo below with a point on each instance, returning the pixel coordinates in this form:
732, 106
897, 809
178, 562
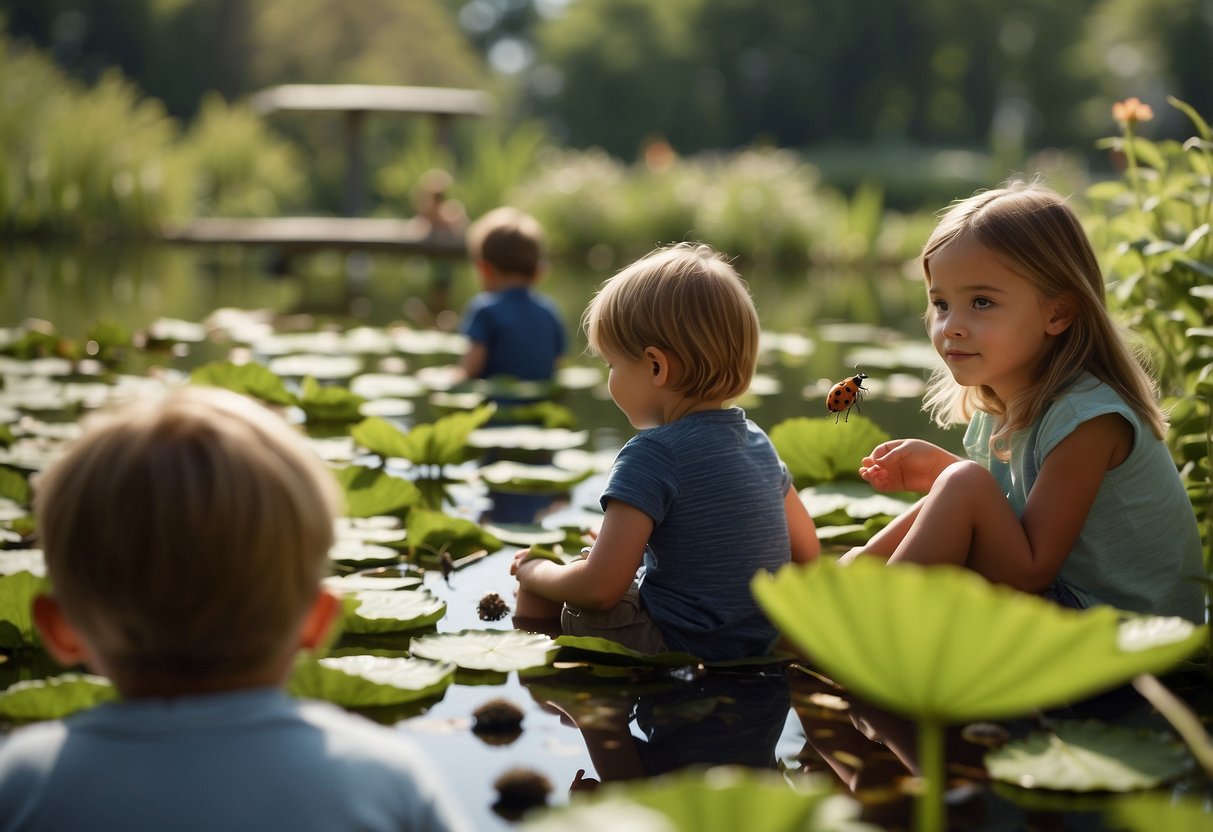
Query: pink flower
1131, 111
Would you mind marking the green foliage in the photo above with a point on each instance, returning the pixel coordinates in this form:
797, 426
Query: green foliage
240, 169
442, 443
821, 450
370, 681
54, 698
329, 403
250, 379
14, 486
433, 533
369, 493
17, 592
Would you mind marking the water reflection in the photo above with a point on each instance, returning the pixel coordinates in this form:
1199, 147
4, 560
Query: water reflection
650, 725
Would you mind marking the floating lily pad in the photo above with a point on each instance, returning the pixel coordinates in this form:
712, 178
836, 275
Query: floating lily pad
370, 681
380, 385
54, 698
525, 534
496, 650
428, 341
361, 583
354, 551
386, 408
575, 377
603, 649
328, 367
820, 450
722, 799
381, 530
510, 476
1089, 756
528, 438
389, 611
174, 329
997, 653
13, 561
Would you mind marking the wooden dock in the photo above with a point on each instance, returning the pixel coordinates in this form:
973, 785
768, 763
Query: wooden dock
295, 234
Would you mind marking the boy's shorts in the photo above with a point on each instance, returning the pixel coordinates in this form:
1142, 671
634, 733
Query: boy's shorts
627, 623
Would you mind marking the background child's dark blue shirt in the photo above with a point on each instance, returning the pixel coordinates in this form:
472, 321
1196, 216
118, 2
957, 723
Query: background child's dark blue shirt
521, 330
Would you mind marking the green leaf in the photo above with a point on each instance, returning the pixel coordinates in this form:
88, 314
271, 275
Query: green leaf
818, 450
445, 442
370, 681
391, 611
721, 799
1159, 813
525, 534
54, 698
1089, 756
248, 379
996, 653
14, 486
496, 650
1202, 126
517, 477
433, 532
369, 492
379, 436
17, 591
329, 403
606, 648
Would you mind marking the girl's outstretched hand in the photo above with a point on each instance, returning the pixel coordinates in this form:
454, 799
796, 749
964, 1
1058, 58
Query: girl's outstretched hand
905, 465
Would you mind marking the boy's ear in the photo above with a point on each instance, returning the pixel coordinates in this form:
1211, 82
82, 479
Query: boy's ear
58, 635
661, 363
1061, 316
324, 613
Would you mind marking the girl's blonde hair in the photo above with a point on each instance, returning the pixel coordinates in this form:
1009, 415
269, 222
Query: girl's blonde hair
686, 299
187, 536
1035, 234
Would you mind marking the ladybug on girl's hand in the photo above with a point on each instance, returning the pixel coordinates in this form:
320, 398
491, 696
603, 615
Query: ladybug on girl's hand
846, 394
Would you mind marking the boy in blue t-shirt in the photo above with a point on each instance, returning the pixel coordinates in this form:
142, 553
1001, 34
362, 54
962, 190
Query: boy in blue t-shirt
185, 540
699, 496
513, 330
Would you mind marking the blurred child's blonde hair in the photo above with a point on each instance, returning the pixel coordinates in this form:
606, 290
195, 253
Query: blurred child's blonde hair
509, 240
187, 536
686, 299
1035, 234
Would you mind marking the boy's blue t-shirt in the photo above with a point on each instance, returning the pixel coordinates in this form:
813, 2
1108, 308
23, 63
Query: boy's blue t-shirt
521, 330
714, 488
1139, 548
244, 760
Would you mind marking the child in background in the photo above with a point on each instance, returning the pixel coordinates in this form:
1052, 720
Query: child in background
699, 496
185, 541
1070, 490
514, 330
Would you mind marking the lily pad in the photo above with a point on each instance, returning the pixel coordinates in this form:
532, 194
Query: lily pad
605, 649
996, 653
328, 367
528, 438
361, 583
362, 553
54, 698
820, 450
1089, 756
390, 611
496, 650
510, 476
13, 561
381, 529
370, 681
386, 385
524, 534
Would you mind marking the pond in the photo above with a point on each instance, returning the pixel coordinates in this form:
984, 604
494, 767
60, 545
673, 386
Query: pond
582, 721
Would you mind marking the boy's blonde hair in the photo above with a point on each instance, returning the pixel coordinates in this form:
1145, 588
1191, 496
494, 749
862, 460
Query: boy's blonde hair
1035, 234
686, 299
509, 240
187, 536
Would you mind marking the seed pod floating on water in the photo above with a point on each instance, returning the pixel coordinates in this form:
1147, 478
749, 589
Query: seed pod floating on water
492, 607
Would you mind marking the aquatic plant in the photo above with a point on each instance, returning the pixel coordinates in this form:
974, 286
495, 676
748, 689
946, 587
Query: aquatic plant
997, 653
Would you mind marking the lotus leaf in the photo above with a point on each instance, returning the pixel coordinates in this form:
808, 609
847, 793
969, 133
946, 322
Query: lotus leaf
722, 799
380, 529
247, 379
433, 532
391, 385
17, 592
329, 403
54, 698
604, 648
1089, 756
391, 611
509, 476
370, 681
1159, 813
359, 583
386, 408
174, 329
369, 492
496, 650
523, 534
818, 450
996, 653
446, 441
328, 367
528, 438
294, 342
364, 554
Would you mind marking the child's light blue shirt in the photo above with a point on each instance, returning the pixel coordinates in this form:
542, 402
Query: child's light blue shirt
1140, 548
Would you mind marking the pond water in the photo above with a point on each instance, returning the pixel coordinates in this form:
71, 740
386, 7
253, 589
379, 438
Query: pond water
578, 727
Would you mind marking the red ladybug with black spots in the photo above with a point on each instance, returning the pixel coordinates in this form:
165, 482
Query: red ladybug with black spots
846, 394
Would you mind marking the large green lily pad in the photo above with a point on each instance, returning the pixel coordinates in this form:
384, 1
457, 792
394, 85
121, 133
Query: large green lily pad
1089, 756
370, 681
942, 643
391, 611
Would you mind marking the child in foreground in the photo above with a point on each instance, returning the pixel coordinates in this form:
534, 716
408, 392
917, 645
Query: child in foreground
699, 496
185, 541
1069, 489
512, 329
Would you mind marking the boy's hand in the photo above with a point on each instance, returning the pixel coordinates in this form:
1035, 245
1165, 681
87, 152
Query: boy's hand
905, 465
519, 556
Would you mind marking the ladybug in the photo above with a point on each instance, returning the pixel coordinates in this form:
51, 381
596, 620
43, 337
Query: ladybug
846, 394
